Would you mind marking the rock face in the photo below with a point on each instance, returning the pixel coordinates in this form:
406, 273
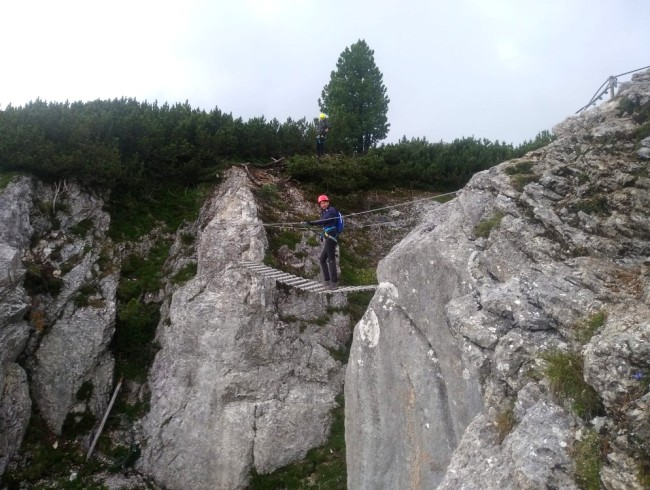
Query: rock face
80, 318
15, 231
49, 256
472, 302
239, 383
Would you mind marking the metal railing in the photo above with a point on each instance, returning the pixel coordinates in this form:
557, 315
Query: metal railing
608, 85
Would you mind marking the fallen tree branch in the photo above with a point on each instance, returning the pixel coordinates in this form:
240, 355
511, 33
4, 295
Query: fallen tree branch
60, 187
250, 175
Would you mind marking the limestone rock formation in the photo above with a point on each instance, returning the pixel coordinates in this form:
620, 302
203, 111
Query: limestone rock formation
80, 316
51, 239
15, 231
239, 384
448, 385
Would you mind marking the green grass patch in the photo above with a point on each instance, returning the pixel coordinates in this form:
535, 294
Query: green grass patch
588, 457
520, 168
82, 228
323, 468
341, 355
47, 462
642, 131
133, 345
521, 181
188, 239
586, 329
596, 205
71, 263
321, 321
521, 174
504, 422
484, 228
643, 464
185, 273
143, 274
634, 107
6, 177
356, 269
565, 372
136, 322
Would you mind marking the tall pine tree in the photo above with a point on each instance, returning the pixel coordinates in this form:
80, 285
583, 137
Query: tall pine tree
355, 99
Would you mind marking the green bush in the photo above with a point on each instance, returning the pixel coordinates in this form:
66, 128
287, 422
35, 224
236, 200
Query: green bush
136, 213
132, 345
40, 279
82, 298
279, 237
268, 193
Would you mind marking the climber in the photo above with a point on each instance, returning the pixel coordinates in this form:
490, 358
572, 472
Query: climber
322, 128
329, 220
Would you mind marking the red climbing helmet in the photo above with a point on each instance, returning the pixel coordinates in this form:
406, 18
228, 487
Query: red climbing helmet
323, 198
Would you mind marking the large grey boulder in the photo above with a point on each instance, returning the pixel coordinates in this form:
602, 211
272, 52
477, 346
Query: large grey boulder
476, 296
527, 458
238, 384
15, 408
410, 392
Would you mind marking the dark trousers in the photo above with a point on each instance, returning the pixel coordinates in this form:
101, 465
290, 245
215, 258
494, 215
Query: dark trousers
328, 261
320, 146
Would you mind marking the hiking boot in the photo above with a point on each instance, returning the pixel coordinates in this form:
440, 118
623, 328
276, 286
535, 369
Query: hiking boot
332, 285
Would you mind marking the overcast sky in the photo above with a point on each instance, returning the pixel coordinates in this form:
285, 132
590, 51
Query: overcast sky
496, 69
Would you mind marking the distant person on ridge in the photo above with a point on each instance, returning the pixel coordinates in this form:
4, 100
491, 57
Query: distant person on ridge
322, 128
329, 217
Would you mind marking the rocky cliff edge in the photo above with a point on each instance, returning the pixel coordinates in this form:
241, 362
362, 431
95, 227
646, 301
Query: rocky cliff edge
510, 336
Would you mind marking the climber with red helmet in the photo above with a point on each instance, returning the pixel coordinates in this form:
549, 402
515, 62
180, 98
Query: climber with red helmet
329, 219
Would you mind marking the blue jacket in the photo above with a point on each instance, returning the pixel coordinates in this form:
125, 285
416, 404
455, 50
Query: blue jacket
328, 219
